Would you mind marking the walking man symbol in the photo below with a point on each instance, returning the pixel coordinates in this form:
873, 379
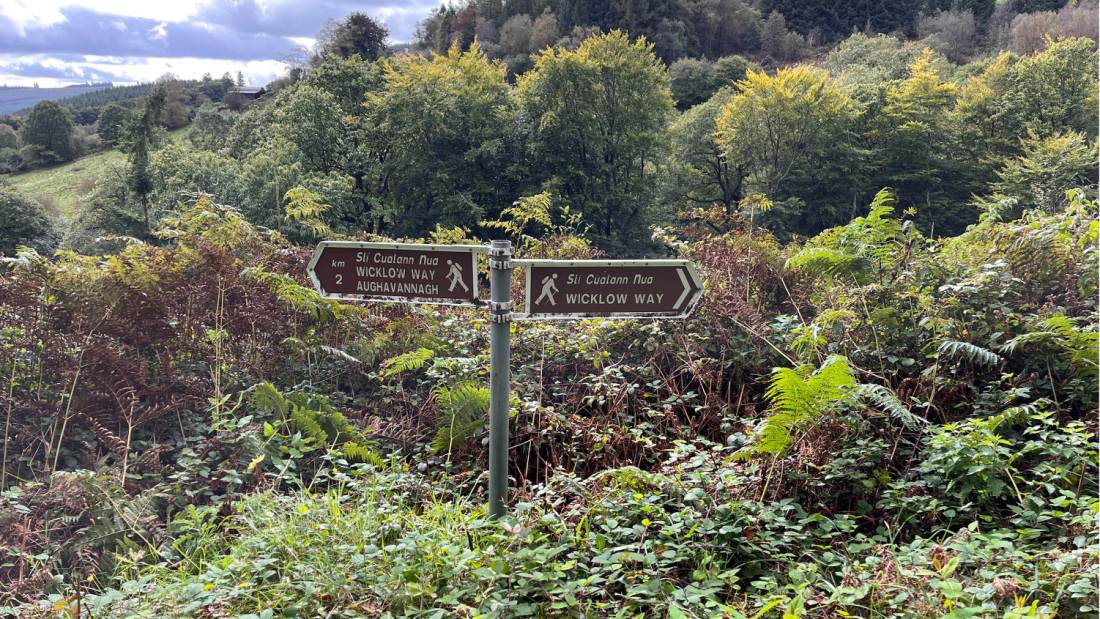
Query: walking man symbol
455, 275
548, 290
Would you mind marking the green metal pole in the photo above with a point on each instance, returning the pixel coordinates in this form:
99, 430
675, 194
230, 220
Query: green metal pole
500, 315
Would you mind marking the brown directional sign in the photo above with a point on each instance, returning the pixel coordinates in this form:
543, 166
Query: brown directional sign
396, 272
560, 289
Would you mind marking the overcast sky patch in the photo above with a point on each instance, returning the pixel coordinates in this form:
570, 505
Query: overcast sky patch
56, 42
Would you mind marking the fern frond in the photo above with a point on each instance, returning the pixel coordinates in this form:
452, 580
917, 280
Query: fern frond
882, 206
339, 354
1020, 413
26, 258
407, 362
358, 453
824, 261
267, 398
305, 207
464, 409
314, 417
1027, 339
971, 353
299, 297
534, 209
886, 400
305, 423
798, 397
1081, 344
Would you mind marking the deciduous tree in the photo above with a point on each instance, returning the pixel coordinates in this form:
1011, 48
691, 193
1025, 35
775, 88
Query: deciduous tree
1047, 169
50, 128
698, 174
439, 140
692, 81
8, 137
112, 123
515, 34
779, 121
311, 119
598, 116
544, 30
358, 34
25, 222
915, 140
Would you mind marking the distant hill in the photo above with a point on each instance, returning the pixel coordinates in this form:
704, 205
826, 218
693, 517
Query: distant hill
113, 94
14, 98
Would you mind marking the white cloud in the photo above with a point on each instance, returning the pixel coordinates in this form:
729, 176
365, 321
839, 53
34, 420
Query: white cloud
155, 36
46, 12
159, 32
51, 72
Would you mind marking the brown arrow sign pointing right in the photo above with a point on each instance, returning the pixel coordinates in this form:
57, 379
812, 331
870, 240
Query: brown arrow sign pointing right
561, 289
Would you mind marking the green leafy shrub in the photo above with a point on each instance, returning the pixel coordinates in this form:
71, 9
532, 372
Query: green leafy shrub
25, 223
313, 418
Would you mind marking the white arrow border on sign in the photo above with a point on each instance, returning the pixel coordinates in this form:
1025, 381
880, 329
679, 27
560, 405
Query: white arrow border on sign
473, 250
687, 289
682, 267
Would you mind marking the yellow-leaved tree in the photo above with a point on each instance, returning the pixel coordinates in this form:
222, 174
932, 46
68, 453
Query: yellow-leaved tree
598, 117
915, 148
779, 123
439, 139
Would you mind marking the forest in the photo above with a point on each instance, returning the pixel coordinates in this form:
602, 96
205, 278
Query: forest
885, 404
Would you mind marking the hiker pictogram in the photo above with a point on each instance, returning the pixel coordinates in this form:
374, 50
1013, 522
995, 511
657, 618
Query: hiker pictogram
455, 276
548, 290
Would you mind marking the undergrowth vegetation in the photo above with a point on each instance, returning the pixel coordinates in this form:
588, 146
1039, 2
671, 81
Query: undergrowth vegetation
871, 423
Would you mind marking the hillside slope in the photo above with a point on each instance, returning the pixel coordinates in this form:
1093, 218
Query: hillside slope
60, 187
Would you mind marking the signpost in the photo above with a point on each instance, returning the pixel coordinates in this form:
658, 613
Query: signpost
556, 290
396, 272
564, 289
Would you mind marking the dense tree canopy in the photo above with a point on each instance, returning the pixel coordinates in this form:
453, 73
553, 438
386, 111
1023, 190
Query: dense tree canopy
112, 122
439, 137
9, 138
692, 81
356, 35
700, 174
915, 144
883, 405
598, 116
780, 122
49, 128
311, 119
838, 19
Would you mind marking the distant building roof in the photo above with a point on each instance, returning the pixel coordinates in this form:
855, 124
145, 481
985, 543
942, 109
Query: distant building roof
250, 90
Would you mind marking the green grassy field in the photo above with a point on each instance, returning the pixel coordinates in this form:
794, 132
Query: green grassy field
60, 187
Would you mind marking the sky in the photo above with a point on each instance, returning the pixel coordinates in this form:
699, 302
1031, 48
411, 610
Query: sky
61, 42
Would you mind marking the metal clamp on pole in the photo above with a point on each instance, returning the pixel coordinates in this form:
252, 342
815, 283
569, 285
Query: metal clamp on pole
500, 255
500, 315
500, 311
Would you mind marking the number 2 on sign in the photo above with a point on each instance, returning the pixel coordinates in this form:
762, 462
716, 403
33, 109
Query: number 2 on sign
339, 279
